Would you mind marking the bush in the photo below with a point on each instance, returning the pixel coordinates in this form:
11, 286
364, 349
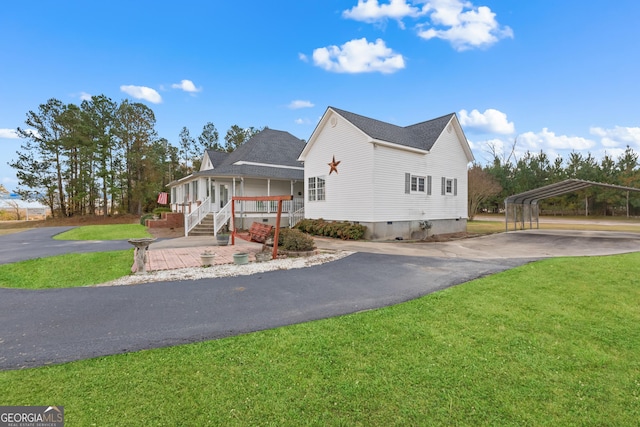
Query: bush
145, 217
295, 240
337, 229
158, 211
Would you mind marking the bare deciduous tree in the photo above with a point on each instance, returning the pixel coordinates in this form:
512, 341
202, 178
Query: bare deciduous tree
482, 186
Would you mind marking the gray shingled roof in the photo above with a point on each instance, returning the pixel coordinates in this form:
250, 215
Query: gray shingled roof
269, 146
421, 135
217, 157
274, 147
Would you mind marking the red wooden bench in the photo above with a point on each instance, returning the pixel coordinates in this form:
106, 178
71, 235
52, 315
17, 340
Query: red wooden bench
259, 232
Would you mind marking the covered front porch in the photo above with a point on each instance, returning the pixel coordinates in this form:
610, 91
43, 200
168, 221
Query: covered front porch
200, 197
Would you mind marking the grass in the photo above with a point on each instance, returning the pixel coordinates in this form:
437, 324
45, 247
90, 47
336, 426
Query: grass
554, 342
105, 232
489, 227
66, 271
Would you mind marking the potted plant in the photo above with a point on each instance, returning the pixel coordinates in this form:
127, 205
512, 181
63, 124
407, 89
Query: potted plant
223, 236
241, 258
206, 258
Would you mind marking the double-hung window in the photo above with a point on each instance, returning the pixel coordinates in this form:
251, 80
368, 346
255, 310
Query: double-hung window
417, 184
316, 188
449, 186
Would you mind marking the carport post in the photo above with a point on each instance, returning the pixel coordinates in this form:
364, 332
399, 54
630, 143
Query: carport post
506, 215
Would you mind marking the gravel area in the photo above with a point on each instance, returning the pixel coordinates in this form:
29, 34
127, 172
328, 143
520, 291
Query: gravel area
228, 270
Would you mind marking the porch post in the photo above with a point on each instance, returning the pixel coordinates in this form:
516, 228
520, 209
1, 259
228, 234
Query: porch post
268, 194
274, 254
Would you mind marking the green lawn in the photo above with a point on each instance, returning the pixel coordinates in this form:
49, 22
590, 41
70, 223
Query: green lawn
71, 270
555, 342
105, 232
67, 271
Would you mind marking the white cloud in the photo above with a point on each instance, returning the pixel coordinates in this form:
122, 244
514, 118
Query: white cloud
547, 140
491, 121
617, 137
359, 56
297, 104
187, 86
302, 121
85, 96
371, 11
463, 25
142, 92
8, 133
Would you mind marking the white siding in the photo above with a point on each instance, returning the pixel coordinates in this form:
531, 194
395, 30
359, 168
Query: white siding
449, 160
349, 193
446, 159
391, 202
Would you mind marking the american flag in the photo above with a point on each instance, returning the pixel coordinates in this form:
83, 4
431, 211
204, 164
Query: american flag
163, 198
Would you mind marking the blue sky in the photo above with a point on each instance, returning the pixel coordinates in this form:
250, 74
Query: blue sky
555, 75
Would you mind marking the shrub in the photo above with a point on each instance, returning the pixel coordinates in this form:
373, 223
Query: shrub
159, 210
295, 240
145, 217
344, 230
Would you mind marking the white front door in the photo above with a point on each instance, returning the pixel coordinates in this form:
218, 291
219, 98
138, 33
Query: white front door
224, 195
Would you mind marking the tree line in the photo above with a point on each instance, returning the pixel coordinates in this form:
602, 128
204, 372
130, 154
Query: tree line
504, 176
102, 157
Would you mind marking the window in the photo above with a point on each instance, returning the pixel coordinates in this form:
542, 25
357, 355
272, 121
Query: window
316, 188
417, 184
449, 186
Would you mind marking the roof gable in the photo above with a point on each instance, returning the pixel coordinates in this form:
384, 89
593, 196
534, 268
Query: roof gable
421, 136
217, 157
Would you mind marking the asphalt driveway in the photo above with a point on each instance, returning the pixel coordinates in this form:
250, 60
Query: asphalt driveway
41, 327
39, 242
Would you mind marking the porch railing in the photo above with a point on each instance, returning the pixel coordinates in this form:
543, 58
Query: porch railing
296, 217
194, 218
293, 208
252, 206
221, 217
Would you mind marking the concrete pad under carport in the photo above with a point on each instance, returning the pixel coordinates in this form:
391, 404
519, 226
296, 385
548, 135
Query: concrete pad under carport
515, 244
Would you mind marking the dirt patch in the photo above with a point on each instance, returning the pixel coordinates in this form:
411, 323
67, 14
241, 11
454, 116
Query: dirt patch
449, 237
161, 233
166, 233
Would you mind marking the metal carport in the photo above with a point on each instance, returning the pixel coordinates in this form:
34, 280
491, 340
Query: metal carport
528, 201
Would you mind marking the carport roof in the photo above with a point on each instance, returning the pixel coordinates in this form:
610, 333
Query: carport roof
532, 197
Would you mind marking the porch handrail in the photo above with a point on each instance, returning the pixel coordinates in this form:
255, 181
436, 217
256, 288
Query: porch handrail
192, 219
221, 217
296, 217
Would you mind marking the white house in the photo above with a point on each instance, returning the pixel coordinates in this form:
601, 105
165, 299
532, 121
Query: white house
406, 182
265, 165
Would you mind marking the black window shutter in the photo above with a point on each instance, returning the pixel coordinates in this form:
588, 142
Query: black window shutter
407, 183
455, 186
429, 185
444, 185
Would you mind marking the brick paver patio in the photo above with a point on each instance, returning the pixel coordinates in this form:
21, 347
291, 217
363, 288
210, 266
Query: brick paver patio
184, 257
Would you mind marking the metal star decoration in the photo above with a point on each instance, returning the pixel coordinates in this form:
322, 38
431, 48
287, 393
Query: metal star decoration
333, 165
